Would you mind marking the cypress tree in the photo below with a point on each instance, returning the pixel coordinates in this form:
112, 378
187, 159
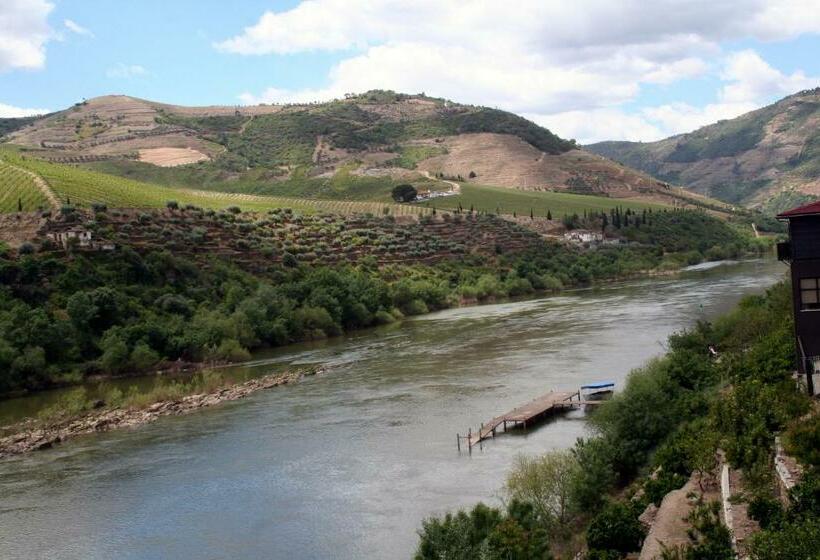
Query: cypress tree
549, 215
19, 204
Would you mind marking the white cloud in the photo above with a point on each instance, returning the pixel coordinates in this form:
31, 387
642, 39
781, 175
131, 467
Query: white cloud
599, 124
24, 32
77, 28
9, 111
126, 71
565, 65
754, 79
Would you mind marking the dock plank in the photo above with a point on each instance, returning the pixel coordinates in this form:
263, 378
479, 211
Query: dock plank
526, 413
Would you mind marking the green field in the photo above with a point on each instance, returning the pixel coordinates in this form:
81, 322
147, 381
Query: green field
506, 201
343, 185
17, 186
82, 187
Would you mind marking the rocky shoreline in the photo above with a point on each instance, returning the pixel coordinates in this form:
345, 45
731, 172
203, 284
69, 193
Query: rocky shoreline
43, 437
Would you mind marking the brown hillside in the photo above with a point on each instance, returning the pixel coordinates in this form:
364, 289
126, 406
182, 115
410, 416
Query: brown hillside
768, 156
508, 161
377, 134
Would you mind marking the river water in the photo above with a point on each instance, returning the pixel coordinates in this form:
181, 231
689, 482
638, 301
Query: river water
347, 464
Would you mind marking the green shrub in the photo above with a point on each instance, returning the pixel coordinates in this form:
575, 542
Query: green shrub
143, 357
658, 487
484, 532
616, 528
415, 307
797, 540
766, 510
230, 350
802, 440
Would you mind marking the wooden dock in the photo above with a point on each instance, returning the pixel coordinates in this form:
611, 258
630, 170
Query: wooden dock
524, 415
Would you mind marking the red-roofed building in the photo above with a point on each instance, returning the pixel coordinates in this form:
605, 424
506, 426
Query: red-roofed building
802, 252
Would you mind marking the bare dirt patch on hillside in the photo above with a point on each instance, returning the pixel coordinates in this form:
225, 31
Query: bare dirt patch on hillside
507, 161
171, 157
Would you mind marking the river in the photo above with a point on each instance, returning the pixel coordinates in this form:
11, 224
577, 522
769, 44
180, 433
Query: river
347, 464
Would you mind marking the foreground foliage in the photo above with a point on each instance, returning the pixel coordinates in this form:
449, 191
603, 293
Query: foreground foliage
485, 533
670, 419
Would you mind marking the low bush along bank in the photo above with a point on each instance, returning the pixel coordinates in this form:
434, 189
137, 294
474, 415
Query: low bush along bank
64, 316
671, 417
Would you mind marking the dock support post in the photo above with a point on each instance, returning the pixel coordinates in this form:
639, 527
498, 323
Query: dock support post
458, 442
470, 439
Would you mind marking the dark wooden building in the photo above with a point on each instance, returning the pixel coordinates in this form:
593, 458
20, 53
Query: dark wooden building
802, 252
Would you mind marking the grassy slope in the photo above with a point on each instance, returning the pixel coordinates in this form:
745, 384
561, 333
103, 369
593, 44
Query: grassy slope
85, 187
346, 185
15, 186
488, 199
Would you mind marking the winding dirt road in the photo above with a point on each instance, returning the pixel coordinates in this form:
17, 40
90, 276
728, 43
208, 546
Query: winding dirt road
454, 187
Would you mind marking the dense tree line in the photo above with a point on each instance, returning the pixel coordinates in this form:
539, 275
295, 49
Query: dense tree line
62, 318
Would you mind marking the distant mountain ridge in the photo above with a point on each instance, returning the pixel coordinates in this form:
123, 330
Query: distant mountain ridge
770, 156
376, 134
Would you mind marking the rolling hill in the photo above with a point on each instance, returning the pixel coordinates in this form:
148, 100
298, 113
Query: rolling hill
358, 147
768, 157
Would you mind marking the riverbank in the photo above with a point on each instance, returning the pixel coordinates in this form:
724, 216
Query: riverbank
365, 452
34, 435
68, 419
75, 315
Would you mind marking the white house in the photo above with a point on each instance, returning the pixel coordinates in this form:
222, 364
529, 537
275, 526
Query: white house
583, 236
82, 236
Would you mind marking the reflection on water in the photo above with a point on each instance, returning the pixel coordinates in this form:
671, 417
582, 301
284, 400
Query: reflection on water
347, 464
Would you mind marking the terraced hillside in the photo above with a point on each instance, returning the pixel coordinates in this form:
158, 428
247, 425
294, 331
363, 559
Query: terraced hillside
255, 240
84, 188
380, 134
767, 157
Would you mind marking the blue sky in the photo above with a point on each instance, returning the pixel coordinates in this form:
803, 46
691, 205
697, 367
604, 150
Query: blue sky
590, 69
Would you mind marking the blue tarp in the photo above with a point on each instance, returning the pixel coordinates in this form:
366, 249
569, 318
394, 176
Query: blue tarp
601, 385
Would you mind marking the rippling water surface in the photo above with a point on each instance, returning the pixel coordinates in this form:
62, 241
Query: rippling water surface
347, 464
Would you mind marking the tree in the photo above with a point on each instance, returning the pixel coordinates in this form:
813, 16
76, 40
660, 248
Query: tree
404, 193
545, 482
19, 204
616, 528
172, 205
549, 215
472, 175
115, 353
592, 483
143, 357
486, 533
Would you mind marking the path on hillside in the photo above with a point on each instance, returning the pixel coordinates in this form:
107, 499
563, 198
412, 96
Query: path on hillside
245, 125
454, 187
41, 184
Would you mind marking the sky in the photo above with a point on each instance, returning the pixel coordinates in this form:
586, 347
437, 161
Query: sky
586, 69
